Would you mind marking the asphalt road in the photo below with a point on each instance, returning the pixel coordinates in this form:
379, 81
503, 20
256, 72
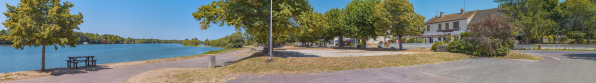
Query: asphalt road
556, 67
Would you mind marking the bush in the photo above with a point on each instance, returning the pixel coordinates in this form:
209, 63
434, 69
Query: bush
472, 48
434, 47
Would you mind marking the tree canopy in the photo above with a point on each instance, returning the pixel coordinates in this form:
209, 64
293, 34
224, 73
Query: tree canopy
41, 23
253, 16
399, 18
360, 20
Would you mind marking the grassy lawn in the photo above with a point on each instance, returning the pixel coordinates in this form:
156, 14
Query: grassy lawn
255, 65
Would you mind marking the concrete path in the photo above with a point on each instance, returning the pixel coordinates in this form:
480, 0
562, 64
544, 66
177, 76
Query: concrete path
119, 75
557, 67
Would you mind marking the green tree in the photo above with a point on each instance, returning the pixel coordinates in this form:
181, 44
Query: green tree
578, 18
253, 16
359, 18
399, 18
236, 40
42, 23
337, 25
538, 17
313, 25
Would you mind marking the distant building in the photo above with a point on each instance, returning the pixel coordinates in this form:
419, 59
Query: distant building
438, 27
453, 24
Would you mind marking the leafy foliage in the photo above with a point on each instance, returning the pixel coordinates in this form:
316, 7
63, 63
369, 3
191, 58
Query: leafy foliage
236, 40
254, 16
41, 23
399, 18
360, 19
434, 46
491, 36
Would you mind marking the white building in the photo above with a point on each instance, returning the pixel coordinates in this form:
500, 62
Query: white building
453, 24
445, 25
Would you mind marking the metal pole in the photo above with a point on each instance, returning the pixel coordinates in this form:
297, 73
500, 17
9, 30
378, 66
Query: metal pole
271, 31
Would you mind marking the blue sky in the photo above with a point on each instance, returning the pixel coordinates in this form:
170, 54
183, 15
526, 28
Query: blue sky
172, 19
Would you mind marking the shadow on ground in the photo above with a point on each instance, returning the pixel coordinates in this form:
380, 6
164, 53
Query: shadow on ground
62, 71
590, 56
281, 54
370, 49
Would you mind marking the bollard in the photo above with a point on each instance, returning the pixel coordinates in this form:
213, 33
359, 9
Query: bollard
211, 61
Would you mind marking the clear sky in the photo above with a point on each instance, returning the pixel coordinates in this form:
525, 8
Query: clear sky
172, 19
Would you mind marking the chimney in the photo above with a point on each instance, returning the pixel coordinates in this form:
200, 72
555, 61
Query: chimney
442, 13
462, 10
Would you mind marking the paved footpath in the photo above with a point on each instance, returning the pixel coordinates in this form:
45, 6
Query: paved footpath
556, 67
119, 75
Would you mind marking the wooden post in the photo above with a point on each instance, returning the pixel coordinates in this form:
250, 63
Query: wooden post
211, 61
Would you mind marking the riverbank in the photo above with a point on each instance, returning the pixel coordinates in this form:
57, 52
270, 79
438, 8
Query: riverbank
5, 77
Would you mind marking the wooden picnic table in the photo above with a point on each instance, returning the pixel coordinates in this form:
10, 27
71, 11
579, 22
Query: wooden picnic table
73, 60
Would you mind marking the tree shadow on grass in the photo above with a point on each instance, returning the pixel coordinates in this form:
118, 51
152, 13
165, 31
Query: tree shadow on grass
281, 54
370, 49
62, 71
590, 56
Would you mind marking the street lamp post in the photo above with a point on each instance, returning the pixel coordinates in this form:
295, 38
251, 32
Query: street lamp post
271, 32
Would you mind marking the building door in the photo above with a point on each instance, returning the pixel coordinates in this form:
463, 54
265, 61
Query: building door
431, 40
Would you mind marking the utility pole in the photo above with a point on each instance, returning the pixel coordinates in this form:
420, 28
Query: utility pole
271, 32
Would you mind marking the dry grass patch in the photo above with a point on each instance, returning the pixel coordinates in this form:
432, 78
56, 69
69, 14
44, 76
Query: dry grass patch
519, 55
257, 66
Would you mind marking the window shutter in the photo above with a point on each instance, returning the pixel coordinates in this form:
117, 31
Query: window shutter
440, 27
446, 26
455, 25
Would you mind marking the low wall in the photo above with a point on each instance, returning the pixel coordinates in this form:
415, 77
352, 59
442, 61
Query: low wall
558, 46
405, 45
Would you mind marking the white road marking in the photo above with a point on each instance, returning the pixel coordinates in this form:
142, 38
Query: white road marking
545, 56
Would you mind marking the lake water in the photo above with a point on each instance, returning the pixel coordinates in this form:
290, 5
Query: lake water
12, 60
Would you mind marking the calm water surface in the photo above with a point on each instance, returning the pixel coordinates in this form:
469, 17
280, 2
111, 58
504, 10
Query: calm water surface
12, 60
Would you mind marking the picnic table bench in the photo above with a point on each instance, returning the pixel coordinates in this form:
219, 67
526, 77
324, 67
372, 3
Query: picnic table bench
73, 62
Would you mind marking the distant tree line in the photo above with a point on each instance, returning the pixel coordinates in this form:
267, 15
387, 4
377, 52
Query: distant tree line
94, 38
2, 40
235, 40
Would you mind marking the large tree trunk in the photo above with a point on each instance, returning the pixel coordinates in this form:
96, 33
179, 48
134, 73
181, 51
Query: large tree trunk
363, 43
341, 41
43, 57
400, 42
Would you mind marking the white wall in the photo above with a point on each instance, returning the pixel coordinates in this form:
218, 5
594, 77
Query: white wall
463, 26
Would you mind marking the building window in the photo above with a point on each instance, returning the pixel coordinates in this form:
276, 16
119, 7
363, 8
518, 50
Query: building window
427, 28
455, 25
440, 27
446, 26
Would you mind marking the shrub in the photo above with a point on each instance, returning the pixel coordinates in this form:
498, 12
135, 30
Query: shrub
472, 48
434, 47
